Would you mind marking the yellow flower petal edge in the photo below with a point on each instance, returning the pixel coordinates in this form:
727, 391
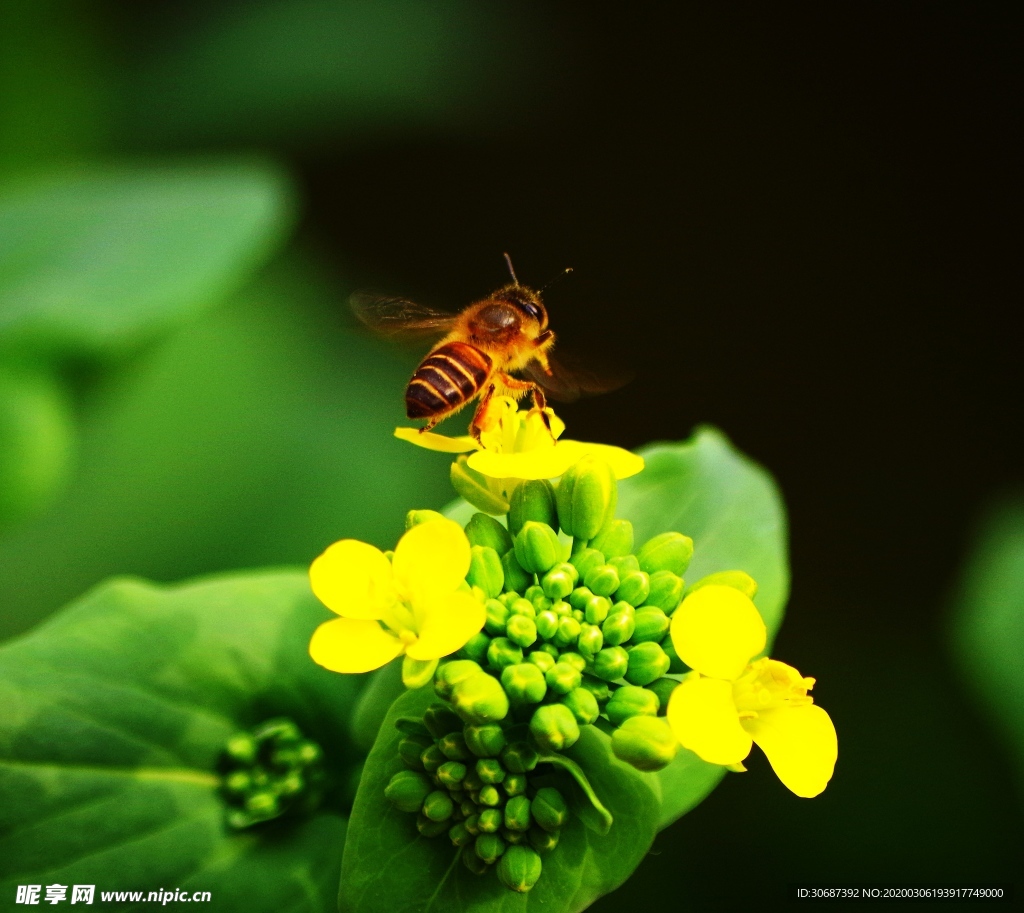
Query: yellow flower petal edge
716, 630
350, 645
353, 579
801, 745
430, 561
703, 717
447, 625
428, 440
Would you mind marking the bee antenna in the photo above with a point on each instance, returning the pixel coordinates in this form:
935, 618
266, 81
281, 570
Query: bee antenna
508, 260
565, 272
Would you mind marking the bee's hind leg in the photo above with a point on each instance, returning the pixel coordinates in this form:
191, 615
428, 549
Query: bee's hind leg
480, 416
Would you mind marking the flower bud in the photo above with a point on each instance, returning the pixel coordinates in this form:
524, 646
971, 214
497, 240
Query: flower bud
411, 747
491, 820
611, 663
524, 683
472, 861
489, 847
489, 795
541, 840
650, 625
667, 552
738, 580
447, 676
497, 618
586, 497
407, 789
663, 688
430, 828
577, 661
519, 757
484, 530
459, 835
558, 582
516, 579
579, 596
596, 609
450, 774
562, 678
625, 564
629, 701
583, 705
480, 699
563, 609
432, 759
578, 615
503, 652
485, 741
509, 596
472, 818
614, 539
519, 869
415, 517
647, 662
533, 592
537, 547
541, 659
645, 742
489, 770
475, 648
514, 784
568, 631
666, 591
473, 486
472, 782
438, 806
602, 579
553, 727
634, 588
485, 570
596, 687
585, 559
439, 718
547, 624
453, 746
675, 665
517, 814
618, 628
549, 809
522, 630
514, 838
242, 747
532, 500
591, 640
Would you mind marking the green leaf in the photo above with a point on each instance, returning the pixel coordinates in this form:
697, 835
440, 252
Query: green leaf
987, 630
96, 261
389, 868
115, 713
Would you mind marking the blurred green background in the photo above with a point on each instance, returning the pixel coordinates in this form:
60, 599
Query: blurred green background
795, 223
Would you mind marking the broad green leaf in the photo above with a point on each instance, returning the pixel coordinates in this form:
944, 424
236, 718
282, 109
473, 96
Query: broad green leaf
115, 713
389, 868
94, 261
987, 629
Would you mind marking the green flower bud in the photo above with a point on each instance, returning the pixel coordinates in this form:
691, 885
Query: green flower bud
575, 660
537, 547
549, 809
541, 603
667, 552
611, 663
666, 591
485, 570
738, 580
586, 559
558, 582
489, 770
458, 797
568, 631
484, 530
519, 757
517, 814
625, 564
629, 701
489, 795
578, 615
533, 592
586, 497
596, 609
591, 640
541, 840
411, 747
440, 720
469, 812
489, 847
522, 607
579, 596
407, 789
675, 665
262, 806
497, 618
485, 741
602, 579
519, 869
516, 579
509, 597
514, 838
596, 687
472, 782
663, 688
459, 835
650, 625
450, 774
503, 652
562, 609
550, 649
615, 539
438, 806
415, 517
514, 784
647, 662
645, 742
553, 727
447, 676
475, 648
490, 820
480, 699
634, 588
453, 746
242, 747
541, 660
547, 624
521, 630
583, 705
524, 683
472, 861
432, 759
532, 500
430, 828
239, 781
473, 486
562, 678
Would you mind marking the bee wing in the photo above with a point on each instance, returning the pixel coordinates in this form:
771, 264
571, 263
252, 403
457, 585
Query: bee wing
571, 377
397, 318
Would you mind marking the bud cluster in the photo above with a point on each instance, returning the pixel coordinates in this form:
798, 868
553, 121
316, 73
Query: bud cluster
269, 772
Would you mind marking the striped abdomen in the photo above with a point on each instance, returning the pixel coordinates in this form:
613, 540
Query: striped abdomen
447, 378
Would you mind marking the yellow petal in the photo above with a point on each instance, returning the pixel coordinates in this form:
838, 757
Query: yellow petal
623, 463
348, 645
430, 561
800, 743
430, 441
703, 717
447, 624
716, 631
541, 463
353, 579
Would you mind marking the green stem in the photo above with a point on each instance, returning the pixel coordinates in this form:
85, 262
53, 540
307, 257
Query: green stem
571, 767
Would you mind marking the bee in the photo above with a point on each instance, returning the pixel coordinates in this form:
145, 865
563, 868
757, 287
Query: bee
482, 347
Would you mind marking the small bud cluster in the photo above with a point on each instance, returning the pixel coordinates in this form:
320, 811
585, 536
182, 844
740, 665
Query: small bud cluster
269, 772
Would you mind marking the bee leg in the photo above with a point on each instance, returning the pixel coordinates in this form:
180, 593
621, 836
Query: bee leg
520, 387
476, 426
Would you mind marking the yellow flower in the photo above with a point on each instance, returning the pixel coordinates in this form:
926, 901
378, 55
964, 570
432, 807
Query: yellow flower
416, 604
728, 702
515, 444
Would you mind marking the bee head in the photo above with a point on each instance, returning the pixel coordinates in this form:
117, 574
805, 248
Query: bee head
525, 300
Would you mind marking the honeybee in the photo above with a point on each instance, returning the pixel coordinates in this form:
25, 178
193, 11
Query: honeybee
484, 344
